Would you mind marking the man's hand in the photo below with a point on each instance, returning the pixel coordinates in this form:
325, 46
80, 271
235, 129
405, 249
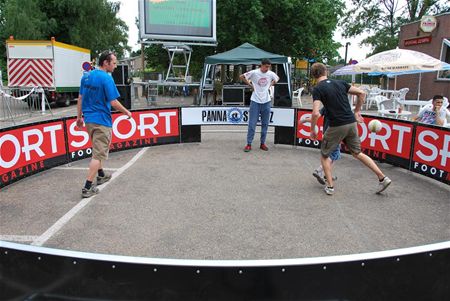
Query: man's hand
305, 119
358, 117
129, 114
80, 122
313, 134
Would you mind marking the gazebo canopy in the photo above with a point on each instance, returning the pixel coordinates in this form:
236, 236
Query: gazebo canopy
246, 54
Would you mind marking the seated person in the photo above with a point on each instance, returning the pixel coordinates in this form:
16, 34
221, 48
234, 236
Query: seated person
434, 113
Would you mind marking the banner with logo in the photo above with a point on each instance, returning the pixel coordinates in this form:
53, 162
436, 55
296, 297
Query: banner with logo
392, 144
27, 150
145, 128
233, 115
431, 155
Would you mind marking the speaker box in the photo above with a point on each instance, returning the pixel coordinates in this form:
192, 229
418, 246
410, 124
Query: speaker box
125, 96
121, 75
233, 96
282, 98
247, 96
279, 70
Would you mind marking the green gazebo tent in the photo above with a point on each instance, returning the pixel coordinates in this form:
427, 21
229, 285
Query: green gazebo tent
246, 54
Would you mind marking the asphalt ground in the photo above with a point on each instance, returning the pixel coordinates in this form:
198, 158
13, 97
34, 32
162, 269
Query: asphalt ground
210, 200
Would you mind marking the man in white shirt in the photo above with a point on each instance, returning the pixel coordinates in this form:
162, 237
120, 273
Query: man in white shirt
260, 80
434, 113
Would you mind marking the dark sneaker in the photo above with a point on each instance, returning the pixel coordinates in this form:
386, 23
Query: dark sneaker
319, 176
102, 180
247, 148
87, 193
383, 184
264, 147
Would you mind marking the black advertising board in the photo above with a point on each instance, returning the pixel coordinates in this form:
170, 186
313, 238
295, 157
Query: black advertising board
32, 273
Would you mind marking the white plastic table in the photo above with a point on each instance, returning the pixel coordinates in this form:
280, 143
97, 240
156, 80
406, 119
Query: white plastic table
404, 114
417, 103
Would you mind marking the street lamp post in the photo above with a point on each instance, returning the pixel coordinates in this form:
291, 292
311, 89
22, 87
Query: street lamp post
346, 49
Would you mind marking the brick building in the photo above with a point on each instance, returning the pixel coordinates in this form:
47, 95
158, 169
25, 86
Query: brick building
430, 36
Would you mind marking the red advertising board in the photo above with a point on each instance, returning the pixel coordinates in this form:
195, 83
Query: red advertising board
143, 129
431, 154
392, 143
27, 150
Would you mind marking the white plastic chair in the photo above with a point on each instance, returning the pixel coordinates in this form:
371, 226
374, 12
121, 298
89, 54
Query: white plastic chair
383, 103
272, 93
297, 97
370, 99
400, 95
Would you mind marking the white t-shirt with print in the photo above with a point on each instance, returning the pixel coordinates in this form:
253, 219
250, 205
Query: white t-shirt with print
261, 83
427, 115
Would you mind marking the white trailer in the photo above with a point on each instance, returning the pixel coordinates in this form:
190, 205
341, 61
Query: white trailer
52, 65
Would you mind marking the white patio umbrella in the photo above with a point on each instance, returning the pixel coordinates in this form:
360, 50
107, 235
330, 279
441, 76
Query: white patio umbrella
347, 70
401, 61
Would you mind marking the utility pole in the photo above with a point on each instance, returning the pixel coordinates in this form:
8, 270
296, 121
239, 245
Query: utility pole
143, 60
346, 49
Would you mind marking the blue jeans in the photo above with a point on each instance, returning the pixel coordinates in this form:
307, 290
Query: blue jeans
257, 109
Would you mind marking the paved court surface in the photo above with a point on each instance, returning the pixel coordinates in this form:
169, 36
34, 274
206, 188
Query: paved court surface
211, 200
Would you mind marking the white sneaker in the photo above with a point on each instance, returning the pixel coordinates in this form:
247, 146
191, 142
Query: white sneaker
329, 190
383, 184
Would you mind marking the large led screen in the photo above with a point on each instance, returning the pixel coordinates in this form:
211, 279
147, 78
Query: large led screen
178, 20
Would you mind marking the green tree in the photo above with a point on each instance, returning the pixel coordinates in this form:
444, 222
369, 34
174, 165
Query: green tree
22, 19
91, 24
296, 28
380, 20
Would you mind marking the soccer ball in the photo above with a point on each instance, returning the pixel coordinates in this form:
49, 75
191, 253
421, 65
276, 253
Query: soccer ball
374, 126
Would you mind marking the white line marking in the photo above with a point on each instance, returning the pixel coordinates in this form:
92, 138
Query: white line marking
69, 215
81, 168
19, 238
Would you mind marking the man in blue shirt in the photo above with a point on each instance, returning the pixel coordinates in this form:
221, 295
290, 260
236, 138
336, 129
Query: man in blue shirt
98, 93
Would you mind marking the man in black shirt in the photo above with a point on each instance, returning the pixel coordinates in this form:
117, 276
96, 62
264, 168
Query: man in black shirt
333, 95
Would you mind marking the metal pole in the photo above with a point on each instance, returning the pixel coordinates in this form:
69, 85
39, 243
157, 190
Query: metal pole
418, 90
143, 60
346, 50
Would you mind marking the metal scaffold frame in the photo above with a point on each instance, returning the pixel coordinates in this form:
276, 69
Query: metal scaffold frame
175, 70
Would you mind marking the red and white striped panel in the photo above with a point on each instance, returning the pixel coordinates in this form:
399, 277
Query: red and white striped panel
30, 72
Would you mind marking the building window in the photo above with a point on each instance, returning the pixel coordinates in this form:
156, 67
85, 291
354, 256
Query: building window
445, 57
